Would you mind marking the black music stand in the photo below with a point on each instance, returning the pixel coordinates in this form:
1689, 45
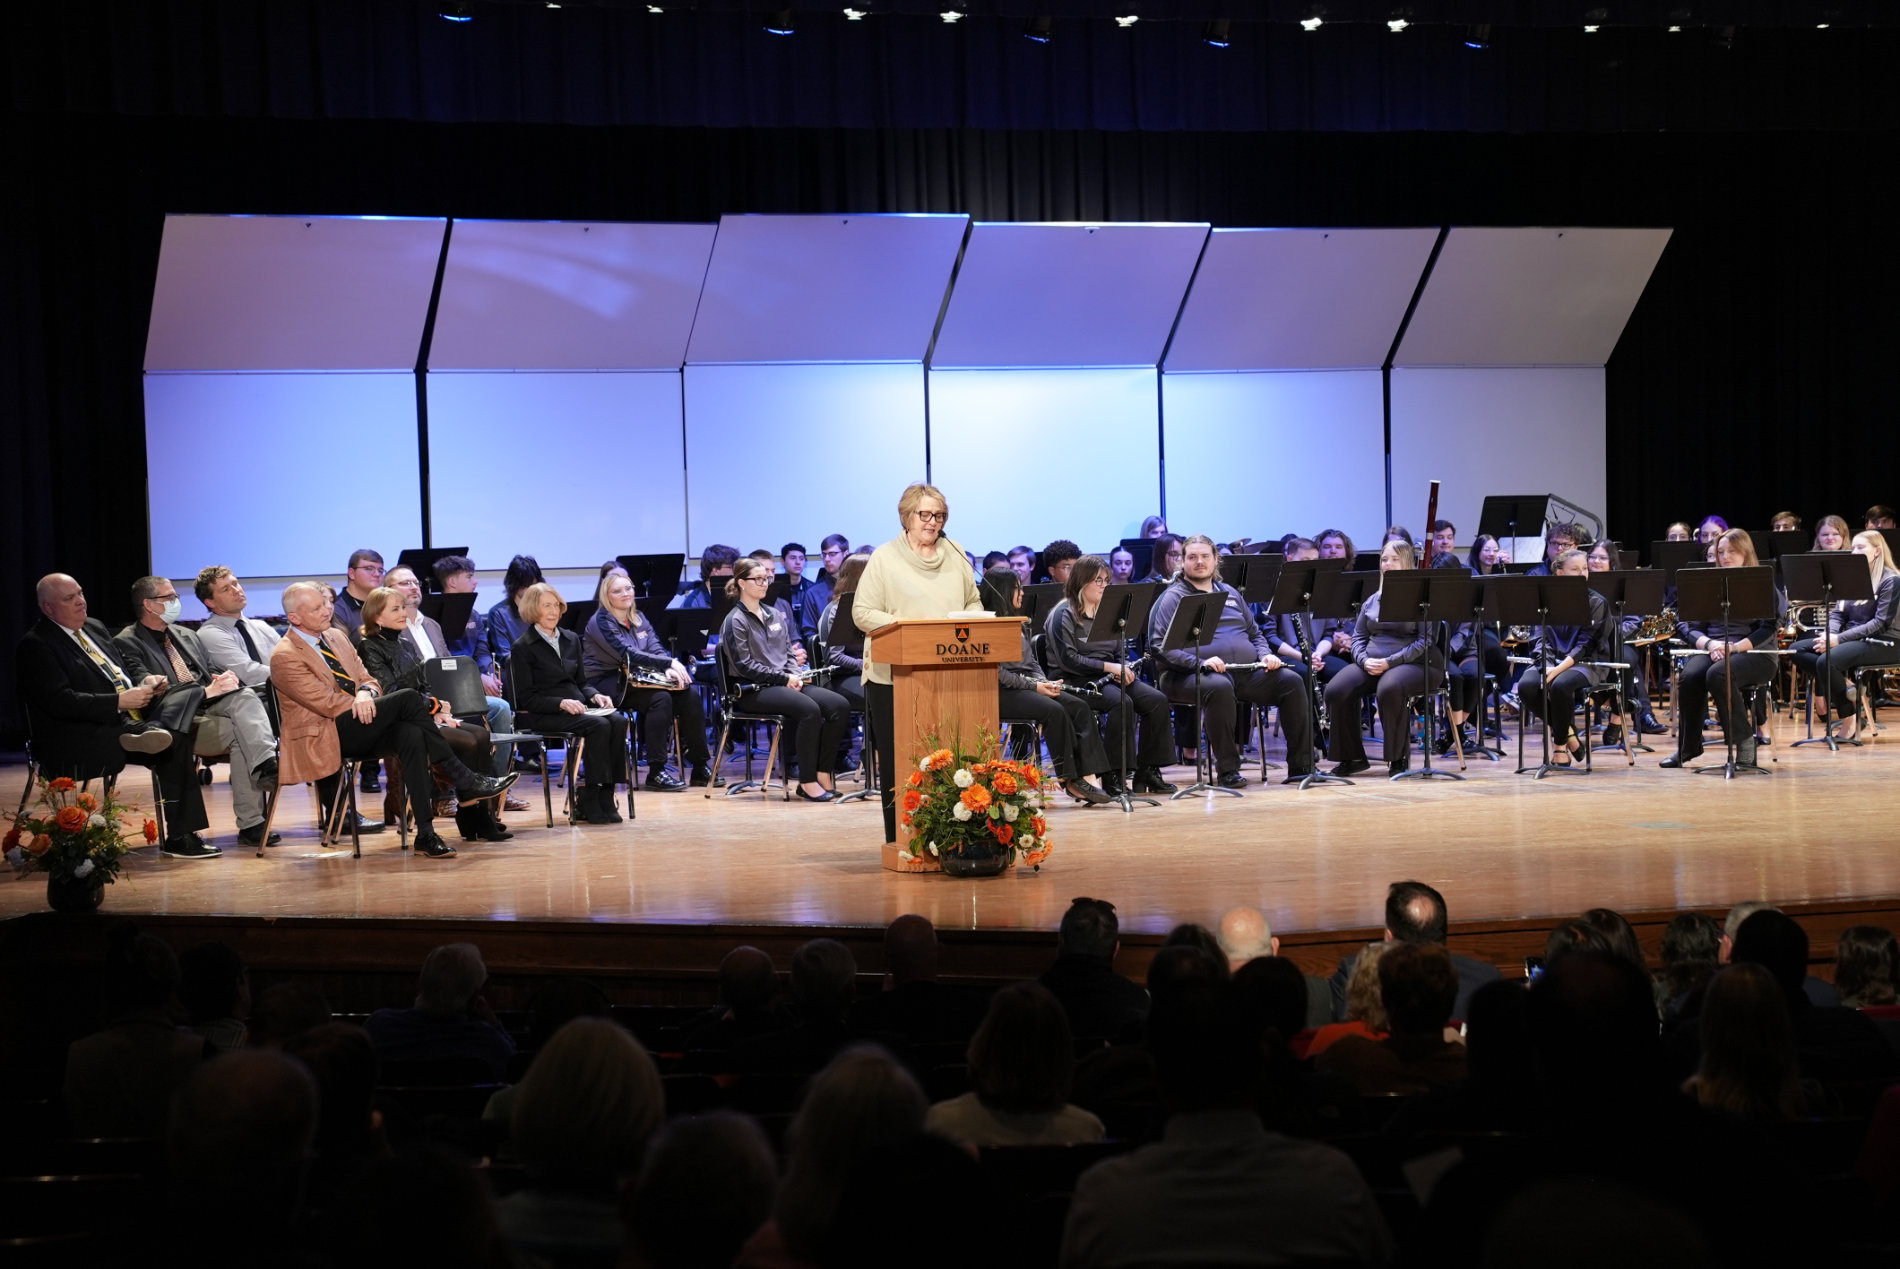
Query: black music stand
1833, 575
1721, 594
1417, 590
1293, 596
1893, 540
655, 578
1039, 601
686, 631
1484, 613
1196, 618
844, 634
1143, 552
452, 612
1785, 542
1541, 602
1669, 557
1365, 561
1629, 593
420, 560
1123, 608
1503, 514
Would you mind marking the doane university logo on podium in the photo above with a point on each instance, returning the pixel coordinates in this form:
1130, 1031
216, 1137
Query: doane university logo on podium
963, 649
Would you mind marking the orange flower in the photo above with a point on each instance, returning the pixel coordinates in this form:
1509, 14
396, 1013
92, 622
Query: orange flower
1033, 776
64, 784
1005, 783
151, 832
39, 845
941, 759
70, 818
904, 820
977, 798
1039, 824
916, 779
1003, 832
1036, 856
88, 801
912, 799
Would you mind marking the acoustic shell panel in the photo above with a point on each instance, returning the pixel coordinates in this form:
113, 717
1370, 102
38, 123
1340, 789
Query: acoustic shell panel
1298, 299
292, 293
1067, 295
608, 446
537, 295
1530, 297
1266, 453
825, 288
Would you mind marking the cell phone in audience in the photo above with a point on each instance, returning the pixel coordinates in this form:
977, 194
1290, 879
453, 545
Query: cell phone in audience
1533, 967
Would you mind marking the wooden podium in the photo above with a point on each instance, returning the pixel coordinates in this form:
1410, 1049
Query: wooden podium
943, 674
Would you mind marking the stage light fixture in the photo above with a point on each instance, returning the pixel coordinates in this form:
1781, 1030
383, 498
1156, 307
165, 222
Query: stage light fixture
950, 15
1591, 29
1313, 23
856, 15
457, 12
1478, 36
1127, 20
1675, 30
1821, 26
1396, 25
654, 8
1215, 33
780, 23
1039, 29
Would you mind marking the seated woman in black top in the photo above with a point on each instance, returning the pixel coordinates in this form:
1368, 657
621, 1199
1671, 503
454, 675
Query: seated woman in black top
759, 642
1124, 696
396, 662
847, 663
1067, 721
1861, 632
544, 672
1728, 660
619, 642
1166, 560
1391, 659
1571, 656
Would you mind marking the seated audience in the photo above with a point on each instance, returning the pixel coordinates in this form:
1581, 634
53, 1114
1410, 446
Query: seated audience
1618, 934
425, 1208
342, 1062
90, 712
1417, 988
1099, 1001
1244, 935
1365, 1010
1691, 946
119, 1081
363, 575
750, 1003
914, 1008
581, 1122
705, 1188
1831, 1043
551, 696
1416, 913
1819, 990
1022, 1065
284, 1011
449, 1021
1748, 1065
1219, 1188
824, 980
619, 643
1867, 966
236, 1149
215, 989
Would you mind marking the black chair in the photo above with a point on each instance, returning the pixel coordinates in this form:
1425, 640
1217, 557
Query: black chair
33, 769
732, 701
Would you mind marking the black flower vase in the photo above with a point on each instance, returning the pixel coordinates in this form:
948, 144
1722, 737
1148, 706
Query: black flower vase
67, 893
966, 864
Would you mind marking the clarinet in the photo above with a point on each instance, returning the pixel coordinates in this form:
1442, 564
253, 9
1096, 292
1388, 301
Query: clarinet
1324, 723
1089, 693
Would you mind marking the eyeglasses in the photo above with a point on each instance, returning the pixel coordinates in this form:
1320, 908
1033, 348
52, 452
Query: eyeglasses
760, 578
933, 517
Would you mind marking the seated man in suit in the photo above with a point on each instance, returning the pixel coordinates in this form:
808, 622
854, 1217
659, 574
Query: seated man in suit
426, 635
1416, 913
332, 708
232, 720
88, 712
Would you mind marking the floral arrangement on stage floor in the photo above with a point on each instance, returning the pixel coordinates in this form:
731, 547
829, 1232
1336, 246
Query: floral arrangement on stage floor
969, 804
75, 837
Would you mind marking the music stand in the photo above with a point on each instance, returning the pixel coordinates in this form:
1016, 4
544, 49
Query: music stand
1407, 590
1196, 618
420, 560
1893, 540
1720, 594
1515, 568
1502, 515
1143, 551
1541, 602
1038, 601
1483, 614
1123, 608
579, 613
1293, 596
686, 631
451, 612
1833, 575
1629, 593
1365, 561
845, 635
1668, 557
1786, 542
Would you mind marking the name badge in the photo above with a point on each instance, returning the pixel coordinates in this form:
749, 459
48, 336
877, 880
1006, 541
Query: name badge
448, 663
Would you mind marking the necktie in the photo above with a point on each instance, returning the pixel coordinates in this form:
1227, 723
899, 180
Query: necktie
112, 671
343, 681
245, 635
181, 673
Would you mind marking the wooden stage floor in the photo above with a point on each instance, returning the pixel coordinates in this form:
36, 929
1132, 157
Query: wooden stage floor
1823, 827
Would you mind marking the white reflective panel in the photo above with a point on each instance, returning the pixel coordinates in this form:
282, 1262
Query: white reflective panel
1530, 297
1067, 295
1029, 456
538, 295
572, 469
825, 288
1298, 299
793, 453
1481, 432
279, 474
1269, 453
291, 293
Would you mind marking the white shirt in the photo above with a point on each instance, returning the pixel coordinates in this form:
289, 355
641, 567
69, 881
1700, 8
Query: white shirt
553, 640
421, 632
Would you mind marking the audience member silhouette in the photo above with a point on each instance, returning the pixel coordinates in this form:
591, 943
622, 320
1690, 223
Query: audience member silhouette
914, 1008
450, 1021
705, 1188
119, 1081
1099, 1001
824, 982
1022, 1068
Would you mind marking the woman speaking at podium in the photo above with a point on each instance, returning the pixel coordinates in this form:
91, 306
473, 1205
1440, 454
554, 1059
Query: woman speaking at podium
919, 573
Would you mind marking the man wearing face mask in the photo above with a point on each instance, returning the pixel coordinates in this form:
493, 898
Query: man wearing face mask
232, 721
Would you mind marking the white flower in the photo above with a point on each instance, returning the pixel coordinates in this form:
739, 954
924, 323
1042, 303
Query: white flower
1025, 841
963, 778
906, 856
923, 764
1010, 812
961, 811
97, 821
84, 869
934, 850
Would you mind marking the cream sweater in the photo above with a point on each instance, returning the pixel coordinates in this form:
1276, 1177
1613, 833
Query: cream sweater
900, 583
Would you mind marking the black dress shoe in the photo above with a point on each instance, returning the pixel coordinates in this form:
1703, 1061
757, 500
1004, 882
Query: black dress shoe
429, 843
1148, 780
1399, 766
1649, 726
823, 795
1676, 761
1231, 780
1352, 767
1612, 736
1112, 784
702, 777
1082, 791
369, 782
363, 826
482, 787
264, 775
254, 836
664, 781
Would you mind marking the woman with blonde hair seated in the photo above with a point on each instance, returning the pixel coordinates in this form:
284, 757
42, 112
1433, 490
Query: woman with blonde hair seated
544, 671
619, 642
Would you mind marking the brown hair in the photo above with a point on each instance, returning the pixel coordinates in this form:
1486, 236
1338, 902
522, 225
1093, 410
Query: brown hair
1748, 1057
1867, 966
373, 606
1022, 1057
589, 1103
1085, 571
208, 579
742, 569
849, 572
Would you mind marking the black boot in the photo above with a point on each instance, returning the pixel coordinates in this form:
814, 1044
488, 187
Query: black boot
1149, 780
1745, 751
597, 805
471, 818
1112, 784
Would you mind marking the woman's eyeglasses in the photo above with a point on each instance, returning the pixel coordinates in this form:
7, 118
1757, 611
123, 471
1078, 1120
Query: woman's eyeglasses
933, 517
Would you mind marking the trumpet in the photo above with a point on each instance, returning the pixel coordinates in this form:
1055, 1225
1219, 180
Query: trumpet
1807, 618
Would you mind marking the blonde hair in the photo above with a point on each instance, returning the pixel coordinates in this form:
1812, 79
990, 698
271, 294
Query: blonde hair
528, 602
1831, 522
1877, 543
373, 606
1363, 1001
1408, 554
588, 1104
606, 584
914, 494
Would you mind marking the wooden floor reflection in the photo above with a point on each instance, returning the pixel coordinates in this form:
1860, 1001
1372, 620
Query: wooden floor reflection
1500, 845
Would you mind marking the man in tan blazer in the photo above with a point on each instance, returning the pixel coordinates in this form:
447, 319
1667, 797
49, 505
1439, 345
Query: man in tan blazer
331, 708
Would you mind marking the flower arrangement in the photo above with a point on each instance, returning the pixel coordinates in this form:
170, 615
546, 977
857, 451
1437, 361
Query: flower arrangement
71, 833
972, 804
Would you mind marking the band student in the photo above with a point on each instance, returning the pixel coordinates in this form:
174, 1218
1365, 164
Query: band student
1237, 639
1569, 655
1727, 654
1067, 722
1391, 659
1102, 660
1859, 632
759, 642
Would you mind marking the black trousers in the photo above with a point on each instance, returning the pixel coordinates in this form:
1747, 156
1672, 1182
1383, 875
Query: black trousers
1282, 687
1563, 692
1068, 725
402, 725
1702, 679
815, 722
880, 716
101, 754
658, 707
603, 747
1845, 659
1394, 690
1139, 712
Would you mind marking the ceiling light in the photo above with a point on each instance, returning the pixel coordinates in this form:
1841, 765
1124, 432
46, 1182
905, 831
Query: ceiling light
1478, 35
1039, 29
1820, 26
457, 12
856, 15
780, 23
1215, 33
1128, 21
1311, 24
1591, 29
654, 8
949, 15
1396, 25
